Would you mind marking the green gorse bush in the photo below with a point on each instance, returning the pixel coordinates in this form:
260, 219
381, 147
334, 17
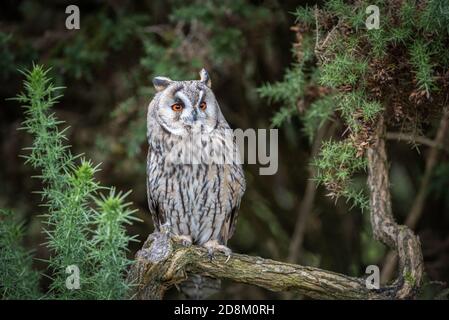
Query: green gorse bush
354, 76
17, 278
84, 227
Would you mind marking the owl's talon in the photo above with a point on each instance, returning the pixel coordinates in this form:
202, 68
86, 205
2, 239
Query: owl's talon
143, 253
210, 254
186, 241
213, 246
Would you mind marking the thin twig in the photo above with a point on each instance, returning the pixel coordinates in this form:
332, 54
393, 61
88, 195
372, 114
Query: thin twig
415, 139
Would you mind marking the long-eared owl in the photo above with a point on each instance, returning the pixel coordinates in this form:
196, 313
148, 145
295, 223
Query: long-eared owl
195, 181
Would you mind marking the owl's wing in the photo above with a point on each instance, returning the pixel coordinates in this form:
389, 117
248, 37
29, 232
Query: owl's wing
155, 210
237, 186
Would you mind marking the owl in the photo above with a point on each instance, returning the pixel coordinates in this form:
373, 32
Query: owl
195, 181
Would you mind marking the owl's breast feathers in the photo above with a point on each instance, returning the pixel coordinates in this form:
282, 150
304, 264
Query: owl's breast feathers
200, 200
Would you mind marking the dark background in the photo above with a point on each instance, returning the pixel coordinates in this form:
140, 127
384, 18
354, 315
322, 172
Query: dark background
107, 67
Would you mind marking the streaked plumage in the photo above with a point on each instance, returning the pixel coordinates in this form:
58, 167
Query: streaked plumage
198, 200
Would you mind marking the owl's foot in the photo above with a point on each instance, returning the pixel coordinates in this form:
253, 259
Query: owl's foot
213, 246
186, 241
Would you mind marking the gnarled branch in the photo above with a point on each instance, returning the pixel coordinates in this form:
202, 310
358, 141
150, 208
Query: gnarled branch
153, 273
400, 238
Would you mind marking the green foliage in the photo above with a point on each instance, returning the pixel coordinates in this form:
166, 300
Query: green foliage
397, 35
79, 59
408, 14
282, 115
435, 17
356, 110
288, 91
318, 112
116, 33
99, 38
344, 69
379, 40
225, 40
133, 112
70, 188
338, 161
336, 164
17, 278
164, 59
304, 15
339, 8
362, 70
109, 245
420, 59
292, 87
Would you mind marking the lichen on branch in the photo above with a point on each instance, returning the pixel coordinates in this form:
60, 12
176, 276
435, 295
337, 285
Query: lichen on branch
153, 273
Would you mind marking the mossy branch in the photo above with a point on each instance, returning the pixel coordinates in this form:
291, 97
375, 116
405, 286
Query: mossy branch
156, 269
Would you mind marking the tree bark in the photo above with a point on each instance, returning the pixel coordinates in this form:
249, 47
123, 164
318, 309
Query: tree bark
385, 229
153, 276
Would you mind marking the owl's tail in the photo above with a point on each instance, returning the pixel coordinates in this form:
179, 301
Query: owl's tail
198, 287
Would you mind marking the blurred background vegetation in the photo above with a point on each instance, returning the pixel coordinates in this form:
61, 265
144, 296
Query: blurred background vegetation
107, 67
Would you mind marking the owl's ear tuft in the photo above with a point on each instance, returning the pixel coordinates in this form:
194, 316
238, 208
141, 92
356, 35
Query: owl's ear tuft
160, 83
204, 77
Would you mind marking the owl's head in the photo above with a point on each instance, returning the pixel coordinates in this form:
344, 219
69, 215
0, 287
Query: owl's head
182, 107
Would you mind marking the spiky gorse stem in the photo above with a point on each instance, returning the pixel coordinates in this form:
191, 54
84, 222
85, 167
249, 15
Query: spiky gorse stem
93, 240
109, 244
398, 70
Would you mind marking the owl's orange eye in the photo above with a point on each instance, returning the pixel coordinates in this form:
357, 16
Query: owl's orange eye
203, 105
177, 107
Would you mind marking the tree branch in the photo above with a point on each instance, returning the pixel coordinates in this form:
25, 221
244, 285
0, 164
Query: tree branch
385, 229
416, 139
153, 273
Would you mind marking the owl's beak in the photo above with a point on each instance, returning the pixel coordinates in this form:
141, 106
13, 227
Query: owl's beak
191, 120
195, 114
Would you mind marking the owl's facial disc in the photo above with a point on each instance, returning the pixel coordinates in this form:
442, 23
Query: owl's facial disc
188, 107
